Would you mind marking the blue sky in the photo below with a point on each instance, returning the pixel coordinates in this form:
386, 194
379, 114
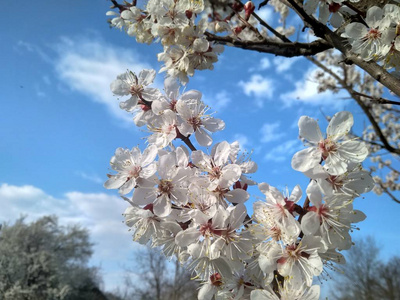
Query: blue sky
61, 124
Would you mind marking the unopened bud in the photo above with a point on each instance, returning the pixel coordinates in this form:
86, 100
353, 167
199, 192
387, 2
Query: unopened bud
237, 30
334, 7
149, 207
240, 185
189, 14
237, 7
249, 9
144, 107
216, 279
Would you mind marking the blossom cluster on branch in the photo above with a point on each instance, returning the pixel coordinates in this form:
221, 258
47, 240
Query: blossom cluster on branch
193, 32
192, 204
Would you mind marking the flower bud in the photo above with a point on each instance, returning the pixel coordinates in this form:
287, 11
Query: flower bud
237, 30
237, 7
249, 9
216, 279
334, 7
189, 14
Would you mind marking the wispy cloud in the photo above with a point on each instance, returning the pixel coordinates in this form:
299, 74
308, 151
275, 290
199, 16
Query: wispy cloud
22, 46
90, 177
306, 92
270, 132
265, 13
258, 86
98, 212
265, 63
283, 64
284, 151
88, 66
242, 139
218, 101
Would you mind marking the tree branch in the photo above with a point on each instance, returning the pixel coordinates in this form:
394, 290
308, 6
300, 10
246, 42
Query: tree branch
379, 100
386, 190
357, 98
371, 67
287, 49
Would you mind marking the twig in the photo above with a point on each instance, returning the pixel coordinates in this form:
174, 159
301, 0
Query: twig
360, 103
378, 100
289, 49
389, 193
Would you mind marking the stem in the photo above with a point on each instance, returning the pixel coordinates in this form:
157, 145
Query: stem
389, 193
378, 100
185, 139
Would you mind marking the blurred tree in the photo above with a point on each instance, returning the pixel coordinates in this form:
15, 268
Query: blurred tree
365, 277
156, 278
43, 260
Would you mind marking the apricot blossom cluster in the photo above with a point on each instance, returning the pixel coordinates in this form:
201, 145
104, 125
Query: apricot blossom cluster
192, 204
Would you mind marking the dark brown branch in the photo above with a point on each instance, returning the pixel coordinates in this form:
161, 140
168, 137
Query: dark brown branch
374, 123
117, 5
378, 100
371, 67
266, 25
185, 139
364, 107
273, 47
369, 142
386, 190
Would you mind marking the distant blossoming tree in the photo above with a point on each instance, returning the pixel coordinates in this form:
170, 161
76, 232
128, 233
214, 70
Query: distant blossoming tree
44, 260
191, 203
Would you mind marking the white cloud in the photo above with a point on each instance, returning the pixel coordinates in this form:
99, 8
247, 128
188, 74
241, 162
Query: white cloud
265, 63
270, 132
258, 86
89, 66
21, 47
242, 139
262, 65
306, 92
284, 151
100, 213
91, 177
265, 13
283, 64
221, 100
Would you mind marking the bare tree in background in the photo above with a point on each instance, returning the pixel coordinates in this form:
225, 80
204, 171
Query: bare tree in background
365, 277
155, 278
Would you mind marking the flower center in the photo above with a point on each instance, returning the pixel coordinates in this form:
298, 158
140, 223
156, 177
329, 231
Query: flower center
135, 171
275, 233
172, 105
373, 34
195, 122
215, 173
336, 182
327, 147
136, 90
165, 187
294, 251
